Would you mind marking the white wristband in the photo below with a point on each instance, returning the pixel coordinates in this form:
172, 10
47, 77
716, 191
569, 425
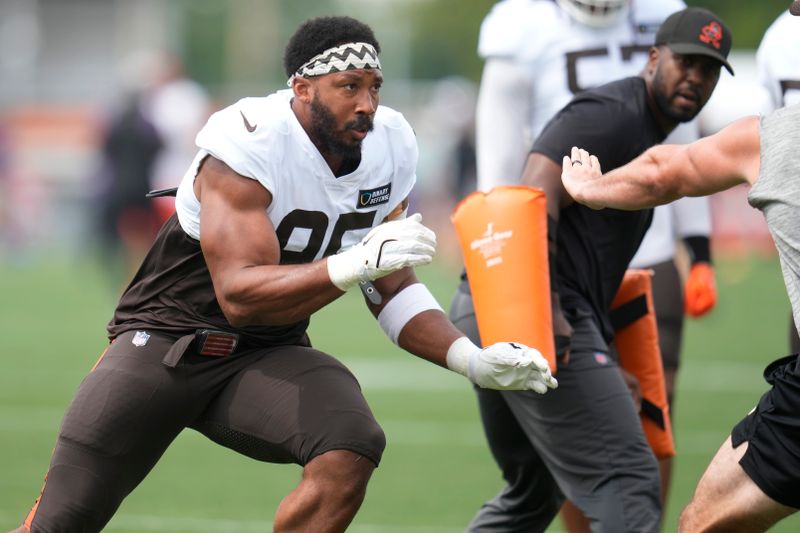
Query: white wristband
459, 353
404, 306
343, 270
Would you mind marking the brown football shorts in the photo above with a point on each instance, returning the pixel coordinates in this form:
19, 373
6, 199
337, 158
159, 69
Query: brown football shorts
283, 404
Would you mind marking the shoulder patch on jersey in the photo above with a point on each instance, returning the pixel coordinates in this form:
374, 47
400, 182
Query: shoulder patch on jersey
373, 197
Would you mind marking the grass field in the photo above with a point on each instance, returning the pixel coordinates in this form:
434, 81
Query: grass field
436, 470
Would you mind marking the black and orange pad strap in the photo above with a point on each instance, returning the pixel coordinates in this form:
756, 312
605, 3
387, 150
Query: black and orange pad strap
503, 238
636, 340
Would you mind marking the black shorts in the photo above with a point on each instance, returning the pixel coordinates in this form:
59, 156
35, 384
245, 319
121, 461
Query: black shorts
283, 404
772, 431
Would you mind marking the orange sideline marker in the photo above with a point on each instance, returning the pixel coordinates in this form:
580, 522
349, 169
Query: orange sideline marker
503, 237
636, 340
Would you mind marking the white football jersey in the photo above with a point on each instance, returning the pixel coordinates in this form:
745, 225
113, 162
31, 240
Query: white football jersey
778, 59
561, 56
537, 58
314, 213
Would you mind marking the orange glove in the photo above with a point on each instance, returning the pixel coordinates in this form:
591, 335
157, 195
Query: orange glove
700, 292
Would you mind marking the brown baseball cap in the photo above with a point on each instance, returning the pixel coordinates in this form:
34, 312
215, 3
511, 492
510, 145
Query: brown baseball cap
696, 31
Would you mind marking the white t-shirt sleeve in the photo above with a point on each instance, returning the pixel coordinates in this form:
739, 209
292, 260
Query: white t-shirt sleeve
227, 137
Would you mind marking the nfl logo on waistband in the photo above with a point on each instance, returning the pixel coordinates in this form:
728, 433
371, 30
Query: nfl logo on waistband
140, 338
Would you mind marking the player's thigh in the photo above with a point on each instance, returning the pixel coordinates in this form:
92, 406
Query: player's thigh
290, 404
588, 425
122, 418
588, 433
726, 497
772, 433
129, 399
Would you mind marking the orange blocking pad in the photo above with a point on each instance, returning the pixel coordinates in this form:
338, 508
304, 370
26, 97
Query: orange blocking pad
503, 237
636, 340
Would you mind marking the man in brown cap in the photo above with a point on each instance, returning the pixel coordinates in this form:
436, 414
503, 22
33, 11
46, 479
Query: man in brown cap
585, 441
754, 479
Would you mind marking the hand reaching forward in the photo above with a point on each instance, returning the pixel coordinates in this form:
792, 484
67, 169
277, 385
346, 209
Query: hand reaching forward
501, 366
386, 248
578, 170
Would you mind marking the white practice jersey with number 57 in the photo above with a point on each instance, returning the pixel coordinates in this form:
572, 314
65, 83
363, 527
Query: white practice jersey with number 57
537, 58
314, 213
543, 57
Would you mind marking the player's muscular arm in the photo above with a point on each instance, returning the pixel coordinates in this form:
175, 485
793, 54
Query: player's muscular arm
242, 252
667, 172
729, 157
430, 333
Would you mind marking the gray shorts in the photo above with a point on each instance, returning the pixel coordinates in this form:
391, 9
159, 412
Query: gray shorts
285, 404
583, 440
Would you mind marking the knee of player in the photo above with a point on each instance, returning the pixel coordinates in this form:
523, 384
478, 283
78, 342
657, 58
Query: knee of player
371, 436
358, 434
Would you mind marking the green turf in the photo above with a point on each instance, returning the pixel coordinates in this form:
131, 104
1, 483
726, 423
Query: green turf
436, 469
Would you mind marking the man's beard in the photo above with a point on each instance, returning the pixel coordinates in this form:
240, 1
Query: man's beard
328, 139
665, 105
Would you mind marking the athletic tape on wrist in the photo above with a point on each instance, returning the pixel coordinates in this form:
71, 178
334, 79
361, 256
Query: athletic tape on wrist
458, 355
404, 306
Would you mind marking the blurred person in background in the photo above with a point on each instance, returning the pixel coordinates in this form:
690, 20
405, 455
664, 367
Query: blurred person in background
127, 221
292, 200
539, 54
24, 199
779, 74
463, 159
178, 107
753, 481
5, 184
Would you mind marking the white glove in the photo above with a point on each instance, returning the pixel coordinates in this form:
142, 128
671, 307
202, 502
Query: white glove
501, 366
391, 246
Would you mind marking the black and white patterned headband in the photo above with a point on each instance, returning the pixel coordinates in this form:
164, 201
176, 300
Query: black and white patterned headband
348, 56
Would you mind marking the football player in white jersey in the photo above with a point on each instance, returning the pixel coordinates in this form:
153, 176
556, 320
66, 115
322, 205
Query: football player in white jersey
292, 200
779, 74
538, 54
778, 67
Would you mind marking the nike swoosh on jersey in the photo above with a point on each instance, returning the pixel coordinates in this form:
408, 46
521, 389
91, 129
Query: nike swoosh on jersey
249, 127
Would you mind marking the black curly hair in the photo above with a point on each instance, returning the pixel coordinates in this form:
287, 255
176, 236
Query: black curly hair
318, 34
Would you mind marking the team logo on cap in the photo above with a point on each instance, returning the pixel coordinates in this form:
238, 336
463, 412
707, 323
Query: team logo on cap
711, 34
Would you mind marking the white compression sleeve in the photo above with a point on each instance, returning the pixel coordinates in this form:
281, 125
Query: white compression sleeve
404, 306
